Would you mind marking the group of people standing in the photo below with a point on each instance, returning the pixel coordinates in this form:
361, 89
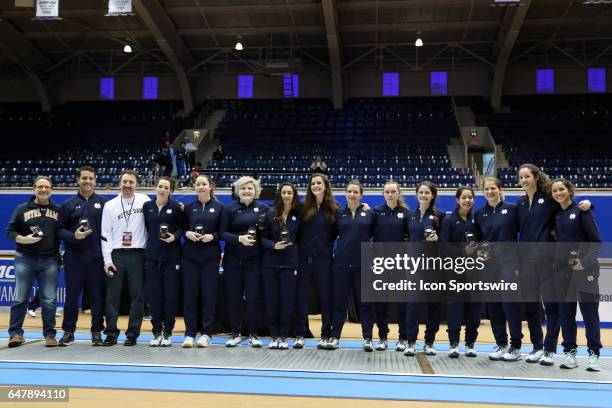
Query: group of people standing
272, 254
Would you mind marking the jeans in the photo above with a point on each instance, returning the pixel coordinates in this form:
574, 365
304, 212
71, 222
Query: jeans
45, 270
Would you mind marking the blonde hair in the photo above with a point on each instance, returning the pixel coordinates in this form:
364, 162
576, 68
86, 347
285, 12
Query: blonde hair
400, 199
246, 180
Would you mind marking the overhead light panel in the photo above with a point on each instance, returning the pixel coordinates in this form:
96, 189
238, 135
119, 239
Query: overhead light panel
238, 46
127, 48
418, 42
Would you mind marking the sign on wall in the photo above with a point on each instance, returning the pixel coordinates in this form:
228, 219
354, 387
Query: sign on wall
47, 8
118, 7
7, 284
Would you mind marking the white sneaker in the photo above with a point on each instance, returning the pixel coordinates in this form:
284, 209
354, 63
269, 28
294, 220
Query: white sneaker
255, 342
534, 356
401, 345
333, 344
593, 362
31, 313
156, 341
283, 344
470, 351
298, 343
513, 354
382, 345
430, 350
569, 361
273, 344
233, 341
410, 349
548, 358
498, 353
322, 344
367, 345
188, 342
166, 340
204, 341
453, 351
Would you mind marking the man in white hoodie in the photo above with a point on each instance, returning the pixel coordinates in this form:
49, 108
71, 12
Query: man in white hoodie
124, 238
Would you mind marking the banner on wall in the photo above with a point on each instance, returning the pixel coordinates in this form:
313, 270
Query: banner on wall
119, 7
7, 284
47, 8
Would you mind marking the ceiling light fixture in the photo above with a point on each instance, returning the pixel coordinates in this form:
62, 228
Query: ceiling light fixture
238, 46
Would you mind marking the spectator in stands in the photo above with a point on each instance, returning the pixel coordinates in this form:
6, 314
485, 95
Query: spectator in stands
218, 154
241, 225
201, 257
33, 226
181, 160
317, 235
424, 226
81, 221
124, 238
191, 150
164, 222
171, 170
318, 165
355, 225
280, 263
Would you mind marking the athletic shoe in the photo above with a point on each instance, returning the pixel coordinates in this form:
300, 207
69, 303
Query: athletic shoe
410, 349
273, 344
130, 341
16, 340
593, 362
453, 351
569, 361
547, 358
188, 342
382, 345
66, 340
283, 344
298, 343
110, 340
31, 313
367, 345
470, 351
204, 341
50, 341
534, 356
233, 341
322, 344
166, 340
96, 339
498, 353
430, 350
333, 344
157, 339
513, 354
255, 342
401, 345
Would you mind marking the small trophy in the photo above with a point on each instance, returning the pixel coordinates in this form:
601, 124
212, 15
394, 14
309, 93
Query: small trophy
470, 238
163, 231
199, 229
252, 231
284, 236
484, 250
84, 224
573, 258
36, 231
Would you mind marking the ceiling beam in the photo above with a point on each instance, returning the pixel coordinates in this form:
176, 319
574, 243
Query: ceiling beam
514, 19
333, 45
162, 28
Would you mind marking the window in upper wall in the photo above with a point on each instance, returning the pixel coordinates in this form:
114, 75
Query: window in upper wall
291, 85
149, 88
245, 86
439, 83
390, 84
107, 88
545, 81
597, 79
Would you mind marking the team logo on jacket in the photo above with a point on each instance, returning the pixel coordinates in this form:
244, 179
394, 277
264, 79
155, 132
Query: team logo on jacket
572, 216
97, 206
169, 211
255, 209
504, 211
431, 217
541, 201
212, 210
400, 215
77, 207
363, 214
293, 218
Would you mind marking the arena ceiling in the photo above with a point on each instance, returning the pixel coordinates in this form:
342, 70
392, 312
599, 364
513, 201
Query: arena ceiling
193, 37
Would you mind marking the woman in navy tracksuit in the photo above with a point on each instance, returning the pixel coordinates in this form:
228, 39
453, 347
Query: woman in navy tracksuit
355, 225
242, 224
536, 211
201, 257
164, 222
280, 263
454, 230
577, 271
316, 239
425, 218
497, 221
391, 226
